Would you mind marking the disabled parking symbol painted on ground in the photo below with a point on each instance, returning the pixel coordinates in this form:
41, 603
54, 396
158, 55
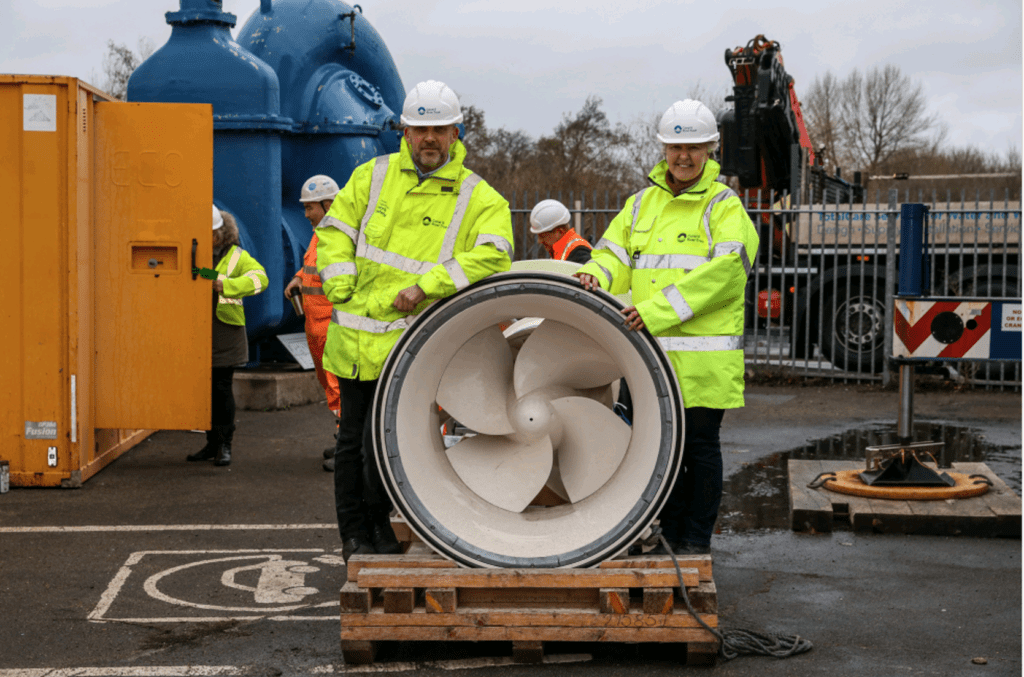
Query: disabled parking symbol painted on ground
219, 585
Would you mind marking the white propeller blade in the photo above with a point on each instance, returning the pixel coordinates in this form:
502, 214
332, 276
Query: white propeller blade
557, 354
594, 442
475, 385
502, 471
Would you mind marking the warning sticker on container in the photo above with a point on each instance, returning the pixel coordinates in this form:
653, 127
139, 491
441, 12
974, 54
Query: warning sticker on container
40, 430
39, 112
1011, 317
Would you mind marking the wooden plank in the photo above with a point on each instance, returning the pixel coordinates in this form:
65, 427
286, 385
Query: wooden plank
809, 509
497, 618
357, 563
703, 599
659, 600
529, 598
403, 532
702, 653
614, 600
540, 634
1000, 499
399, 600
440, 600
528, 651
394, 577
702, 563
358, 652
354, 599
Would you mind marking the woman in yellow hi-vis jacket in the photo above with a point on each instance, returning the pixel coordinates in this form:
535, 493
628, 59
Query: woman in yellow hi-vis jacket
684, 246
238, 275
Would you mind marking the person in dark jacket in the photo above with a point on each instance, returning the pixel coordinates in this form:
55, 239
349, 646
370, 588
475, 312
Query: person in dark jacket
238, 275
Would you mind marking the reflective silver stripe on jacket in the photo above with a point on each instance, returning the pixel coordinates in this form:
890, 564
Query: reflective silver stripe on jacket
330, 221
232, 302
636, 208
455, 271
620, 252
685, 262
380, 171
335, 269
461, 203
312, 291
367, 324
606, 272
310, 270
701, 343
500, 243
724, 195
403, 263
255, 277
678, 303
233, 261
723, 248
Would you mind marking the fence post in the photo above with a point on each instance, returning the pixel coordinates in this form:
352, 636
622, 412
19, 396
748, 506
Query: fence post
890, 281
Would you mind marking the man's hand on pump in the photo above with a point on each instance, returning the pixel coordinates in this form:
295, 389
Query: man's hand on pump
409, 298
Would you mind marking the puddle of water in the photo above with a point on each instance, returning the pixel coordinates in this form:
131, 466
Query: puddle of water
757, 497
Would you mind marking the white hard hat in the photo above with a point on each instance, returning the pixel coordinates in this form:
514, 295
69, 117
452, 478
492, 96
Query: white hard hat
548, 215
318, 188
687, 121
218, 220
431, 103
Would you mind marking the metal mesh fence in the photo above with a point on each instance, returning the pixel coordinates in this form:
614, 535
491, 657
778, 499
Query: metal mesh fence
820, 295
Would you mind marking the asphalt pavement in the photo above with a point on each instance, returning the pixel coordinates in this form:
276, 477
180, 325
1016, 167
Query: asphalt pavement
161, 567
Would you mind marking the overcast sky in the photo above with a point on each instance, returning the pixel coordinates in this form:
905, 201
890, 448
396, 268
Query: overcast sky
526, 63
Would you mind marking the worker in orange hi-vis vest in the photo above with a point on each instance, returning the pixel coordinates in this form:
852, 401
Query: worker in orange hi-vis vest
549, 221
317, 195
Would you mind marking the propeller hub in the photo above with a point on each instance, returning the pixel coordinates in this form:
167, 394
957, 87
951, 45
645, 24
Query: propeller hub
533, 417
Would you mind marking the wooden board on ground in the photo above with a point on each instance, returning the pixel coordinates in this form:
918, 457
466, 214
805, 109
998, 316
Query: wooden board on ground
422, 597
996, 513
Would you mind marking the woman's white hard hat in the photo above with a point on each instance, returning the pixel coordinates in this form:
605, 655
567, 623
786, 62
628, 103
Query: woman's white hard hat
687, 121
218, 220
548, 215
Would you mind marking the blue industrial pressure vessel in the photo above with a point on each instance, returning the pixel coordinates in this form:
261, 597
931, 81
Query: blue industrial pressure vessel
307, 88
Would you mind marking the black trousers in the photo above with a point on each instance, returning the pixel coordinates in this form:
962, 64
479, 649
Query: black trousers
359, 494
691, 510
223, 404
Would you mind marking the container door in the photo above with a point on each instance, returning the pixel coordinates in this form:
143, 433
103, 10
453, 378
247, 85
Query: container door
153, 187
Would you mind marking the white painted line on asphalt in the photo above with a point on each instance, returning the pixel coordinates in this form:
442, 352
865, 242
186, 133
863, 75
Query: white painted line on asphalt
162, 527
134, 671
234, 670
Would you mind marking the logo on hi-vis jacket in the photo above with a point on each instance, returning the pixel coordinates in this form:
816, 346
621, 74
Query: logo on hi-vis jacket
382, 208
692, 237
427, 221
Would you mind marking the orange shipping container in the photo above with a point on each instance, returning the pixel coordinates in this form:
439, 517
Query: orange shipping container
106, 335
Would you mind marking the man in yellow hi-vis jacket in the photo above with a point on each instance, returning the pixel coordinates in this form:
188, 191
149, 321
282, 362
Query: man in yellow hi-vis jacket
406, 229
685, 246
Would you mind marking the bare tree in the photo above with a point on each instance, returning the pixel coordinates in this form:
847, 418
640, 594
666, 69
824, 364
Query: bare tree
119, 64
821, 109
583, 150
883, 113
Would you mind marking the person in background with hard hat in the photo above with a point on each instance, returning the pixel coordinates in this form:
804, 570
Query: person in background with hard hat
238, 275
407, 229
685, 246
549, 221
316, 196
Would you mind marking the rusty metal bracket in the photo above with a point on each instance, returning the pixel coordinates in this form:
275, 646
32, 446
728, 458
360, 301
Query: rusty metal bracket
351, 16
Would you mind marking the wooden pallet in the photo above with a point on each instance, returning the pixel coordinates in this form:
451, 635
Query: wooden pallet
420, 596
993, 514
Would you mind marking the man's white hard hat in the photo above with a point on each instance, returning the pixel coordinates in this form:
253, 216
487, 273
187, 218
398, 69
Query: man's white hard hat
548, 215
687, 121
218, 220
318, 188
431, 103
